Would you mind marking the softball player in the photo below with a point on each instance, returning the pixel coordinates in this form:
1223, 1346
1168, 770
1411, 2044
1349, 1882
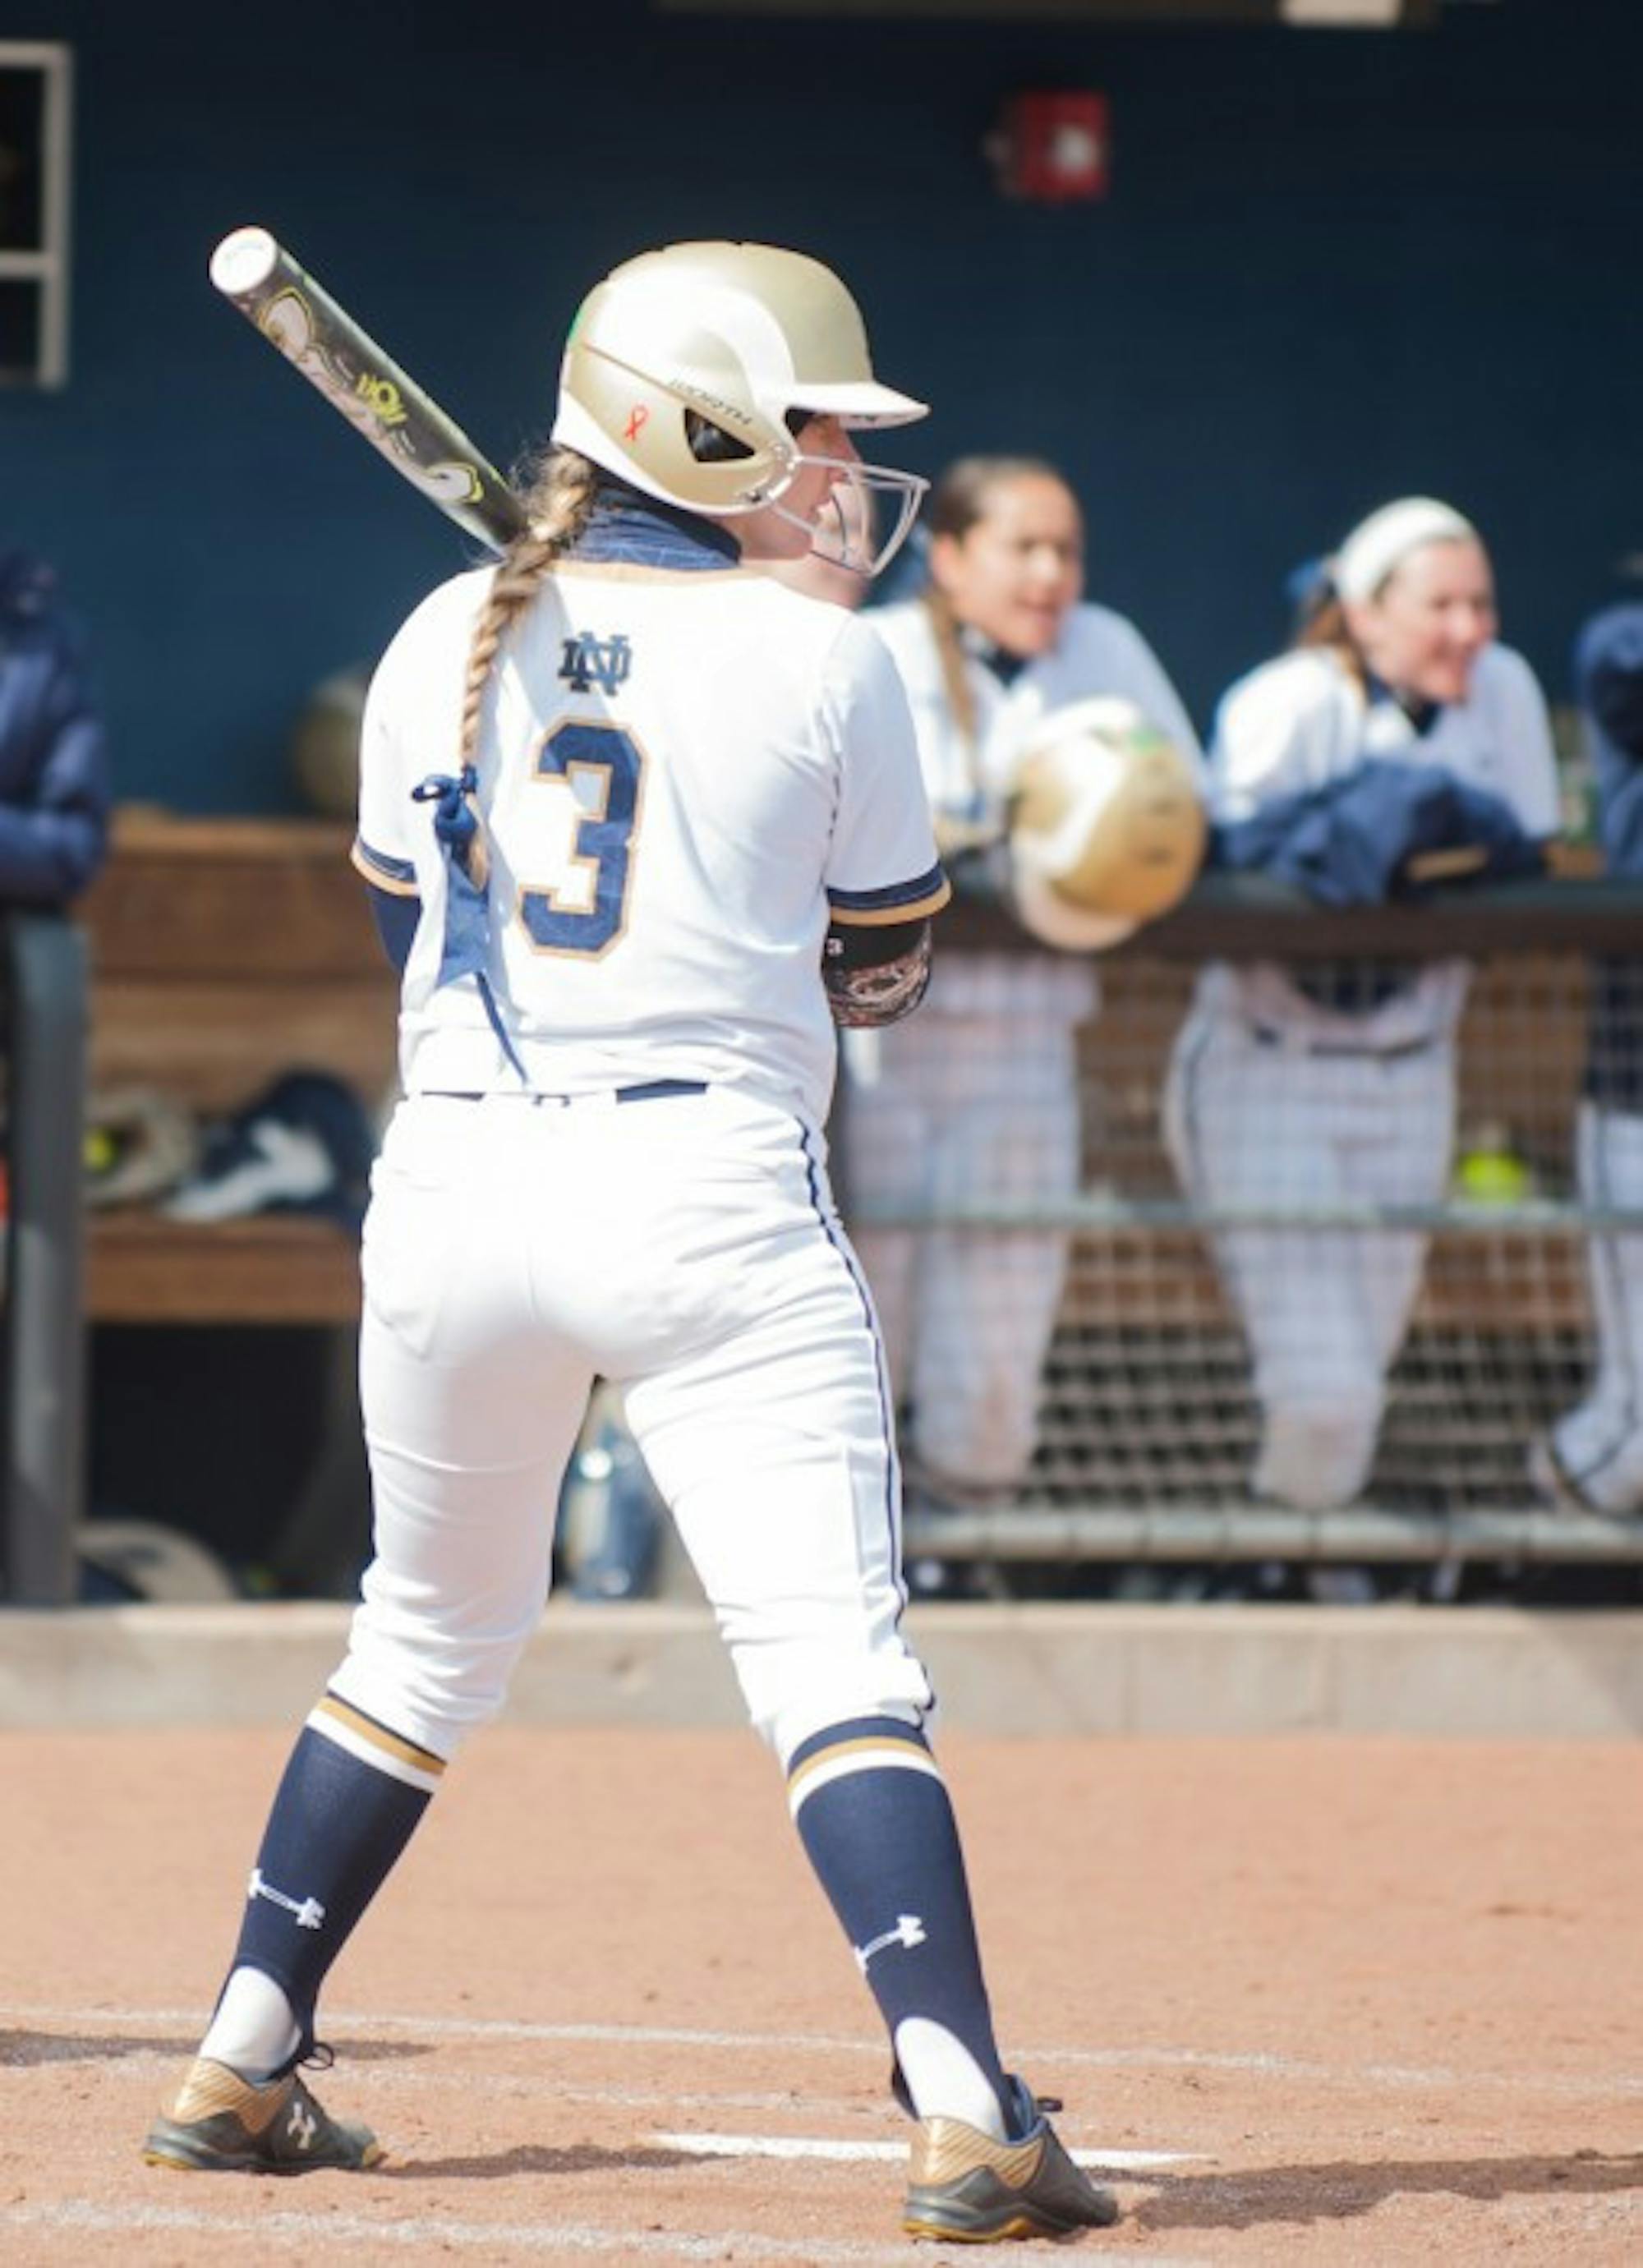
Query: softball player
1593, 1460
648, 824
1291, 1088
977, 1100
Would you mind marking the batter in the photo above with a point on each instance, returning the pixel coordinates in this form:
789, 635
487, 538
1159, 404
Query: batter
644, 823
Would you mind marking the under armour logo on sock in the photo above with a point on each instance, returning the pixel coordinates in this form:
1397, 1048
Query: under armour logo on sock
309, 1912
302, 2126
908, 1931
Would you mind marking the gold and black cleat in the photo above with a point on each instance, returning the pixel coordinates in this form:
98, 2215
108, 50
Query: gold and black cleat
965, 2187
221, 2124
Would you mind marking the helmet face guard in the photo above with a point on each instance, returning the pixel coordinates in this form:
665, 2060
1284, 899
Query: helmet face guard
846, 533
743, 336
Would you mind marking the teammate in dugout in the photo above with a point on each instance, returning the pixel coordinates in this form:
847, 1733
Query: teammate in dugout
1396, 743
1592, 1460
977, 1102
646, 825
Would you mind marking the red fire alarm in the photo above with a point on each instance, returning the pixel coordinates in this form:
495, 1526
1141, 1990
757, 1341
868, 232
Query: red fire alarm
1052, 149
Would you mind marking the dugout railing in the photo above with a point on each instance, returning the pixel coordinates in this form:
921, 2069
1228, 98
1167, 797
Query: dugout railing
1147, 1422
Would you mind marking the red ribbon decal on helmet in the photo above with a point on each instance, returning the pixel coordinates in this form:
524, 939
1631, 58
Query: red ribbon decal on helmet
639, 417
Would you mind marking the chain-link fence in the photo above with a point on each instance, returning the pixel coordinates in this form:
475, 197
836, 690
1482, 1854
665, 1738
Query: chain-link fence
1233, 1175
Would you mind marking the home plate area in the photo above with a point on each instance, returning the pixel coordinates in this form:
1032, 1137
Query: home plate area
1306, 2001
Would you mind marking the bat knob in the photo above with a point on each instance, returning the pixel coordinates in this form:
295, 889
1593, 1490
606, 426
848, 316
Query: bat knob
244, 260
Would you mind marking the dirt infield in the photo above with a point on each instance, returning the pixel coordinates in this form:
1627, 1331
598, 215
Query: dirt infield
1317, 2001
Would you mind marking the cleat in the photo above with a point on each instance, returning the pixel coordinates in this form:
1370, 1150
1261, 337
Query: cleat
966, 2189
221, 2124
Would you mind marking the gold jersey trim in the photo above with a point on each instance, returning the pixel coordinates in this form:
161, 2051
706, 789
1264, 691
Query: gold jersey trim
886, 917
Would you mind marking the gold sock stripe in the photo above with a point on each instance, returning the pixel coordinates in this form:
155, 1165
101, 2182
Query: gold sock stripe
336, 1718
870, 1753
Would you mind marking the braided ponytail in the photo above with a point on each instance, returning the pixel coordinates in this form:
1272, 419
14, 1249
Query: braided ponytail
558, 504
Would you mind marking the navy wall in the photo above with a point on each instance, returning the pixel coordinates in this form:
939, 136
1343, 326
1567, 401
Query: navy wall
1333, 268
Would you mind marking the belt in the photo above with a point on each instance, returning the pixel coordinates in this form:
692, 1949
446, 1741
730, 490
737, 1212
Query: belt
650, 1090
1266, 1037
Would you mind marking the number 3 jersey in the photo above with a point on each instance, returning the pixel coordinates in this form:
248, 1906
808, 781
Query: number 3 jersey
684, 774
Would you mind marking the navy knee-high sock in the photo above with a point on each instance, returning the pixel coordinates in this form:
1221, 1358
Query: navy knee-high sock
350, 1800
873, 1813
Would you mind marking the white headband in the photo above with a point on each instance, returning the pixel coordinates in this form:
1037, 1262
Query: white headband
1380, 543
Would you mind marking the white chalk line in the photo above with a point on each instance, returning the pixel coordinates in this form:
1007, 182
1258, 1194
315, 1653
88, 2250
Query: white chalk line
150, 2065
853, 2153
334, 2229
1250, 2063
384, 2080
703, 2145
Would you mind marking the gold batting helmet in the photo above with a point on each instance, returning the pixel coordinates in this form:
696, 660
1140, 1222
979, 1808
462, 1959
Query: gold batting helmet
744, 335
1107, 827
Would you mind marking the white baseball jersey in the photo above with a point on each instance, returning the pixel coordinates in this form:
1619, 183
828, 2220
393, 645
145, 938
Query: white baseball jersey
1098, 651
664, 867
1299, 723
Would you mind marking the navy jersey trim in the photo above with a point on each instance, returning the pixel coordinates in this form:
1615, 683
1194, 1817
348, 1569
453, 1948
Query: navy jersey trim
898, 901
398, 876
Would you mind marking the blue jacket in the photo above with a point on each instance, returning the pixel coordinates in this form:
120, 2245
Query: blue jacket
1609, 686
1349, 844
54, 767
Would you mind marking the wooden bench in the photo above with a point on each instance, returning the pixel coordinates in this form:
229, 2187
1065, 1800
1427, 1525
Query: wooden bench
224, 952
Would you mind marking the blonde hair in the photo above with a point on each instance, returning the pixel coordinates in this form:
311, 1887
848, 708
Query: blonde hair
558, 500
1323, 628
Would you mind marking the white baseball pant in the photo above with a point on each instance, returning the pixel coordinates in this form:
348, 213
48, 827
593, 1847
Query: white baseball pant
688, 1250
967, 1110
1269, 1124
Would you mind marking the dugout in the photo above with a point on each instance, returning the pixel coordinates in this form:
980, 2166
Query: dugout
1147, 1422
237, 1336
1331, 264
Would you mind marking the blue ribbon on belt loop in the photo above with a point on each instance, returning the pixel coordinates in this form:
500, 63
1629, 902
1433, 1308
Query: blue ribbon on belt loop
466, 948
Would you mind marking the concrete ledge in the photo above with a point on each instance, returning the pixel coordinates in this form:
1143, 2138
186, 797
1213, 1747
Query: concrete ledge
1473, 1673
